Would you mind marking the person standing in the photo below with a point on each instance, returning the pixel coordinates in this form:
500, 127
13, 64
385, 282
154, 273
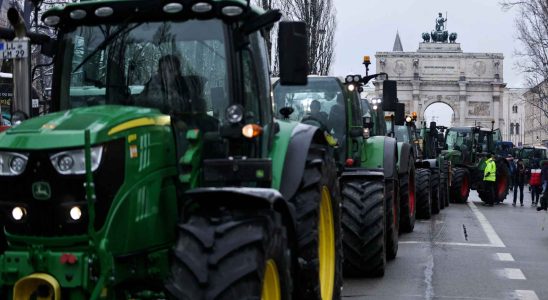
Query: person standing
544, 175
535, 183
518, 181
489, 177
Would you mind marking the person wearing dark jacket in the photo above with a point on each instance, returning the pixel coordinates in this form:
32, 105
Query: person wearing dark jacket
544, 178
518, 181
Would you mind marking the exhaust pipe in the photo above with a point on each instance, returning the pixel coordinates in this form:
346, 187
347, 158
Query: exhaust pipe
21, 103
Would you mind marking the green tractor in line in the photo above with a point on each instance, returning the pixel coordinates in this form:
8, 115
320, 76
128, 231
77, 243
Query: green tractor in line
467, 148
365, 164
383, 125
138, 186
430, 170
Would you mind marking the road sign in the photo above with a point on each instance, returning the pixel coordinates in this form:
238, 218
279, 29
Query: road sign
10, 50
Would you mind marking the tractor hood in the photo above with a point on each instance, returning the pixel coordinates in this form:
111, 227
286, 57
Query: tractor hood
66, 129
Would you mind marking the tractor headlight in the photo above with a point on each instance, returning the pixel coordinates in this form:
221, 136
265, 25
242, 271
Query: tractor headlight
18, 213
75, 213
12, 164
73, 162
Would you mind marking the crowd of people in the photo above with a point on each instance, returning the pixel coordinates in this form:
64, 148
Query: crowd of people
536, 176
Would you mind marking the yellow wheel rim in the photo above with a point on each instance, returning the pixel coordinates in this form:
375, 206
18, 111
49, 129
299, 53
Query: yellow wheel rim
271, 282
326, 246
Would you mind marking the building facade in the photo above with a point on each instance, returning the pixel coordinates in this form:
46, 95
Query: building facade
536, 121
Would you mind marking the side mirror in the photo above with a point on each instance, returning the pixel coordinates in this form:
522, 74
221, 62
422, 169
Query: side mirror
293, 49
389, 95
399, 118
433, 129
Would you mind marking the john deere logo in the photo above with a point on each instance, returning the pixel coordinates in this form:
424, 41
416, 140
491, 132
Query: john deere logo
41, 190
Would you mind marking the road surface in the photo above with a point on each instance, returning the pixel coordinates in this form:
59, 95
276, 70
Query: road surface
468, 251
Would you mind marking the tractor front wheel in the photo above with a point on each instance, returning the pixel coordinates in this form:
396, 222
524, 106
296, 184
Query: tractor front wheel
220, 254
435, 191
363, 221
319, 238
424, 196
460, 185
392, 205
502, 183
408, 201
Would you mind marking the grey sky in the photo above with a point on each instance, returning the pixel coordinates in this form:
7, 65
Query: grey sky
368, 26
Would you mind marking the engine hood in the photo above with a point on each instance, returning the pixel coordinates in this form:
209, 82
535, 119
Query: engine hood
66, 129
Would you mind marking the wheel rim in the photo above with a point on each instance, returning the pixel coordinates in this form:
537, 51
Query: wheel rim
326, 251
411, 189
501, 187
271, 282
464, 187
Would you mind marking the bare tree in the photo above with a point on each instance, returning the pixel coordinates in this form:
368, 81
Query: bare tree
319, 16
532, 28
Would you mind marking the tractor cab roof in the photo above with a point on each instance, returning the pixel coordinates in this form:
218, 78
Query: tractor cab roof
117, 11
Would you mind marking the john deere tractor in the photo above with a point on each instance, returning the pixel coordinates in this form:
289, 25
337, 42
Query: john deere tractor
467, 148
162, 172
366, 168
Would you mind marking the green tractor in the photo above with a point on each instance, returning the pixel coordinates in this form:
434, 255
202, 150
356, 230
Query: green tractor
366, 169
144, 186
431, 142
382, 125
467, 148
431, 171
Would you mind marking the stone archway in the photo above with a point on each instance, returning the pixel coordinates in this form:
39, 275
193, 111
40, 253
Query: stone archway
440, 112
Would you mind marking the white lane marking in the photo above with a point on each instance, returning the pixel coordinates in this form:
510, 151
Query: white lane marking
452, 244
512, 273
428, 274
504, 257
526, 295
492, 235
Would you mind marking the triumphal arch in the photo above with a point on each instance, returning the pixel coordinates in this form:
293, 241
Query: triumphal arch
439, 71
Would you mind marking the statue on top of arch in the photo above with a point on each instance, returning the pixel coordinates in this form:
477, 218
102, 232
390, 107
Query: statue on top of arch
440, 34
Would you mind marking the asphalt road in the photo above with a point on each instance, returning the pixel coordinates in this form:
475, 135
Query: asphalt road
468, 251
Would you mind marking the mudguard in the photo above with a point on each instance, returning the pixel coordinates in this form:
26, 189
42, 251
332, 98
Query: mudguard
295, 158
247, 197
390, 158
405, 157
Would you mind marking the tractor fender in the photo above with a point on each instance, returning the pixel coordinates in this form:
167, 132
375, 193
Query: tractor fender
295, 158
390, 159
247, 197
428, 163
406, 158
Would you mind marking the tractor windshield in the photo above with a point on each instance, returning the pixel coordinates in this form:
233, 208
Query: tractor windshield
320, 101
402, 133
176, 67
458, 140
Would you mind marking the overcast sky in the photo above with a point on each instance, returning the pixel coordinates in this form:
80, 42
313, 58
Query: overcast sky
368, 26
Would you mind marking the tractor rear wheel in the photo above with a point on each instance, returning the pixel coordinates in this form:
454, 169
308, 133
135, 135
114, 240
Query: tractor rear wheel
220, 254
424, 197
502, 183
392, 205
408, 201
435, 191
460, 185
319, 239
363, 221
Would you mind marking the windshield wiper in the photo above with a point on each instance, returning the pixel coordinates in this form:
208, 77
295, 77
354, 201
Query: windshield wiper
123, 29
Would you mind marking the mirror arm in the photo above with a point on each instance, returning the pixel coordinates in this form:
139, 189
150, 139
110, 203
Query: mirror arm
366, 79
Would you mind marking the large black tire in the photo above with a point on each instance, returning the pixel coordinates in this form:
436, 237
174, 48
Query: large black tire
460, 185
408, 201
435, 191
363, 221
220, 255
424, 197
502, 183
319, 180
392, 205
444, 183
